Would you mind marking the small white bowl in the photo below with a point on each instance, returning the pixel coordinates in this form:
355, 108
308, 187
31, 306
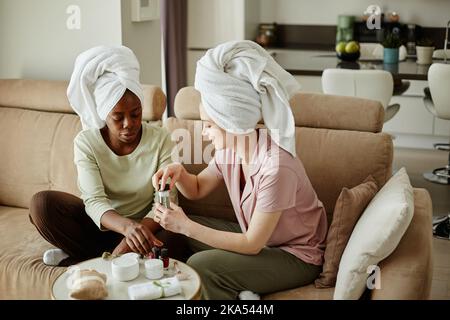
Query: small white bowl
125, 268
154, 269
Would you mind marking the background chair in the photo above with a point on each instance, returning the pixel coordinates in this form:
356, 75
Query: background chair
369, 84
437, 101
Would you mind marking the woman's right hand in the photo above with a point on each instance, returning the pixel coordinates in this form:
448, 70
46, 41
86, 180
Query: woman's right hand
139, 238
172, 171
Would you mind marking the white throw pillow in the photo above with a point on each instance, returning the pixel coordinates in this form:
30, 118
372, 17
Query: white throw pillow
376, 235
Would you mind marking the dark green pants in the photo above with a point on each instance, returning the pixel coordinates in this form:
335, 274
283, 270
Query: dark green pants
224, 274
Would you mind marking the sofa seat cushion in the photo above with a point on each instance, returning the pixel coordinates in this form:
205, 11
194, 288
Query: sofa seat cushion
23, 275
309, 292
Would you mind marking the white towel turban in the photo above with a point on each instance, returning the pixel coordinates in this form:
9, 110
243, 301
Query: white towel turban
240, 83
99, 79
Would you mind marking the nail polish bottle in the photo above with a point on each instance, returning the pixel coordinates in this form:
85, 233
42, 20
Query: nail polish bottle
156, 252
165, 258
164, 195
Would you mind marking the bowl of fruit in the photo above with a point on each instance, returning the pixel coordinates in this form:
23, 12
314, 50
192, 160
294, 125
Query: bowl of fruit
348, 51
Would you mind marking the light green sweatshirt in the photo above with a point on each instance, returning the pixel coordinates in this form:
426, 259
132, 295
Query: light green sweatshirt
122, 183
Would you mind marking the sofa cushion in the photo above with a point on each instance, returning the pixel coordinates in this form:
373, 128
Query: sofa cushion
333, 163
337, 112
50, 95
376, 235
309, 110
23, 275
349, 207
39, 154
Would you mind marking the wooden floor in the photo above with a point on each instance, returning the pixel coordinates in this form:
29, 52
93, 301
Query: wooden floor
416, 162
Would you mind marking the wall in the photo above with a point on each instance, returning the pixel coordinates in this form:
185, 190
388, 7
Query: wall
144, 38
430, 13
211, 22
36, 44
252, 18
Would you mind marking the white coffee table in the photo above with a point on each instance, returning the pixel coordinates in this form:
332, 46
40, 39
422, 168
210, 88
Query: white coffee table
118, 290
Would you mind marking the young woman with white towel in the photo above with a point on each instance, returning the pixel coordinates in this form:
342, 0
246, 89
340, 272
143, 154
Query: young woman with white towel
278, 242
116, 155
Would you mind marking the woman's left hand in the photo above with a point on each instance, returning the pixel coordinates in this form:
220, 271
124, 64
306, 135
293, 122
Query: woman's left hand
174, 219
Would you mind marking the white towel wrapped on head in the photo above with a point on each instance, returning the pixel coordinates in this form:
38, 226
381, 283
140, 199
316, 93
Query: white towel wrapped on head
99, 79
240, 83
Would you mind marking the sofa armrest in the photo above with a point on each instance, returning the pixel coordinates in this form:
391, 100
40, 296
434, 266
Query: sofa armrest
407, 272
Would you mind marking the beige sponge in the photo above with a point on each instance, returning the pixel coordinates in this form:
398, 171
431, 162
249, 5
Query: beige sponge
87, 284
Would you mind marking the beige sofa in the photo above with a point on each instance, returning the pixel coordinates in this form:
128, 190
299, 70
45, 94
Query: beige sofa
338, 140
36, 140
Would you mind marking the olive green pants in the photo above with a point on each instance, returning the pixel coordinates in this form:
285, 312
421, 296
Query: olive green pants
224, 274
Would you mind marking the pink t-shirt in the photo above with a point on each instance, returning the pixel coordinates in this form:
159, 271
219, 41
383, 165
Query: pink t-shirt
277, 182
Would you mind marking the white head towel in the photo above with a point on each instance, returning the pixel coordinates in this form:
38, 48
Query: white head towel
99, 79
240, 83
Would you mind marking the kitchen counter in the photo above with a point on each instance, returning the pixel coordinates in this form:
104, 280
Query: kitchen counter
313, 62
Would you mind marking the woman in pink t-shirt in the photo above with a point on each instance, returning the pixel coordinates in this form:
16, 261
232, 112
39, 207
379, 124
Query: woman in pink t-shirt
279, 239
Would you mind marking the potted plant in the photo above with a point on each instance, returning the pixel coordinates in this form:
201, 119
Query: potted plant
424, 51
391, 46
